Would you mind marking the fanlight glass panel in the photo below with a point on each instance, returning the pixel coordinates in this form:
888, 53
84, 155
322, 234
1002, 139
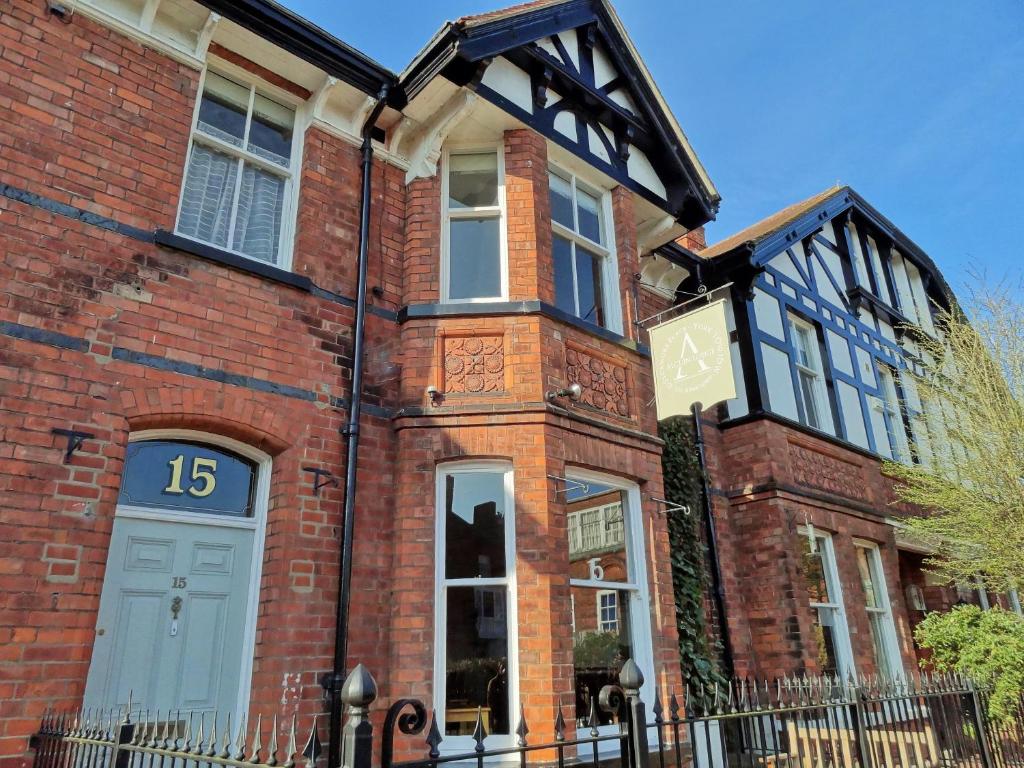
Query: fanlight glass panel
187, 477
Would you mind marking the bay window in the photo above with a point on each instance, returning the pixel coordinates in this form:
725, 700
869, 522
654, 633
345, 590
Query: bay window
831, 633
876, 603
238, 178
475, 659
474, 264
586, 283
607, 581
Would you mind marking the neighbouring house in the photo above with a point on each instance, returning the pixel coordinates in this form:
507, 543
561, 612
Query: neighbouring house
825, 299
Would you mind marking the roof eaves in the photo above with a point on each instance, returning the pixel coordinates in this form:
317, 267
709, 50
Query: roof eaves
309, 42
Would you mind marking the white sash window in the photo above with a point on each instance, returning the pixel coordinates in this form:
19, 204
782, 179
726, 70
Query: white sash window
238, 186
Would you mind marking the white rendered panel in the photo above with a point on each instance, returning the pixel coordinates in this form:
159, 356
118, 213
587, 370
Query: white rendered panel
642, 172
853, 414
565, 123
779, 382
782, 263
604, 70
878, 426
825, 287
834, 262
572, 47
866, 367
920, 298
511, 82
886, 330
839, 349
768, 314
738, 406
899, 273
597, 146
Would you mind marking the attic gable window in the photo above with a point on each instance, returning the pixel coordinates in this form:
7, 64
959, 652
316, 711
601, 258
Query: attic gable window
474, 263
584, 266
238, 187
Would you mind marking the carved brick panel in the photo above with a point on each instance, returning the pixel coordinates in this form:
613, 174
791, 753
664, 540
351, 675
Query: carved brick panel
474, 364
603, 381
827, 473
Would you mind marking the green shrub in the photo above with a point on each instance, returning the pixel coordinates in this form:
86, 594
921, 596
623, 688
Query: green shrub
987, 646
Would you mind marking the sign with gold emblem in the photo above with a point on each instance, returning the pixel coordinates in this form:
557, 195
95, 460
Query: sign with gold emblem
691, 361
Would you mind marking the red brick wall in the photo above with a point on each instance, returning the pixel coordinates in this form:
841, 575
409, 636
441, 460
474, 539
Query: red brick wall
103, 125
770, 480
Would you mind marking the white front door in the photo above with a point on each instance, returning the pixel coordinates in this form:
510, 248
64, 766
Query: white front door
172, 618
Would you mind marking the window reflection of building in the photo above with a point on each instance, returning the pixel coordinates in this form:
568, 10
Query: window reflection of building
477, 531
602, 587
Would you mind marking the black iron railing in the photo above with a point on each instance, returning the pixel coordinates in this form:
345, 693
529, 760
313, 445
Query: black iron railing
926, 722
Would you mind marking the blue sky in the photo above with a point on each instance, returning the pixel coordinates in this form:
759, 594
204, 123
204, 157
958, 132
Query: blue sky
919, 106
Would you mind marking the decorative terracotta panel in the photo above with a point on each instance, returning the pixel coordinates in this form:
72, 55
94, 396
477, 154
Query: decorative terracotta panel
603, 381
474, 364
814, 469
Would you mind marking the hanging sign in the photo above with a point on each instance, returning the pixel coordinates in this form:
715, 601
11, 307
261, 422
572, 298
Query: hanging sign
691, 361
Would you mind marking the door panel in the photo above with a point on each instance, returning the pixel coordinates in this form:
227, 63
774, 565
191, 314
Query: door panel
172, 616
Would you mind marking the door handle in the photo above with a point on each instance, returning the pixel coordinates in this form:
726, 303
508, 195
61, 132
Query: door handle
175, 610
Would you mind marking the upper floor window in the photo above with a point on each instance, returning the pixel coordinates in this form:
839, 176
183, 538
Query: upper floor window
893, 441
810, 374
239, 177
584, 269
474, 264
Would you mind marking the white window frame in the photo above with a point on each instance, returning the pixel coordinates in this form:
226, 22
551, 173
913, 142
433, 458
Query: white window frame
291, 173
257, 523
613, 624
608, 513
458, 744
500, 212
610, 296
816, 371
890, 643
888, 404
639, 601
843, 646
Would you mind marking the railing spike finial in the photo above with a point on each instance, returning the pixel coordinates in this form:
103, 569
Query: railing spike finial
311, 751
479, 732
225, 747
257, 740
522, 729
272, 744
186, 745
128, 709
166, 735
559, 722
292, 747
434, 737
673, 707
113, 718
211, 750
240, 739
657, 709
200, 735
593, 720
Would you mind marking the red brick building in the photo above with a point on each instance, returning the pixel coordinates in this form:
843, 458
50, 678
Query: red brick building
182, 216
817, 574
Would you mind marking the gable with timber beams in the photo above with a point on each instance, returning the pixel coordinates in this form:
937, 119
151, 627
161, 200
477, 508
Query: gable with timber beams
567, 69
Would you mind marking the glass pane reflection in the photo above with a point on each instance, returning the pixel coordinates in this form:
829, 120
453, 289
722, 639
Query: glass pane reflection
476, 674
475, 525
599, 571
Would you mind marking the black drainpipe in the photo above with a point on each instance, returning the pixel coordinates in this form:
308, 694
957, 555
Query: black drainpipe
717, 586
334, 681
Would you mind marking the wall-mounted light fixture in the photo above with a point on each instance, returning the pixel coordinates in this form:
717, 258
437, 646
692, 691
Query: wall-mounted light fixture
574, 392
434, 395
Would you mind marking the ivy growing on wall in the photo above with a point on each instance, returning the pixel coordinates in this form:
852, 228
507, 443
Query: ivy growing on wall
689, 572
